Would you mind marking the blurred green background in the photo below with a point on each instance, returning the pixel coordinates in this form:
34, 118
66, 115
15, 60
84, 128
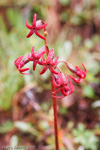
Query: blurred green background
26, 116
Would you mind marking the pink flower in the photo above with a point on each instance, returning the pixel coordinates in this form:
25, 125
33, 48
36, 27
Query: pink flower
80, 73
35, 56
60, 81
49, 63
19, 64
35, 27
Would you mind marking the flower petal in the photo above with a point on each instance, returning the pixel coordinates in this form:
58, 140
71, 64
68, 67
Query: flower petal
58, 96
34, 21
71, 86
84, 68
41, 27
66, 79
50, 56
18, 60
61, 78
32, 52
55, 61
44, 70
34, 65
56, 91
28, 26
42, 61
30, 34
77, 80
55, 84
30, 58
39, 35
25, 73
64, 93
24, 69
40, 55
41, 52
52, 70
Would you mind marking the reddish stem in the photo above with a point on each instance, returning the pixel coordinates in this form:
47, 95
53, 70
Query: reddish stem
55, 117
54, 104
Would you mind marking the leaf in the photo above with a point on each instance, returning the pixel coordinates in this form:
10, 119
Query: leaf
88, 91
64, 2
6, 127
14, 141
22, 126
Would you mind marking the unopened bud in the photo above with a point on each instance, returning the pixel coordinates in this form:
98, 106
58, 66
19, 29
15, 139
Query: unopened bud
39, 23
71, 67
41, 49
45, 33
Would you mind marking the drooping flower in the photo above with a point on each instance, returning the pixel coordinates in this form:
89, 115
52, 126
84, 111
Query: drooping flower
49, 63
78, 72
35, 56
60, 81
19, 64
36, 25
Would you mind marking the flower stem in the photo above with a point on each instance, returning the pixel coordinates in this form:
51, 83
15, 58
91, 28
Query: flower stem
55, 117
54, 103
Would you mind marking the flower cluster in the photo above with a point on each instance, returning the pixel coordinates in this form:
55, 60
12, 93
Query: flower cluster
60, 80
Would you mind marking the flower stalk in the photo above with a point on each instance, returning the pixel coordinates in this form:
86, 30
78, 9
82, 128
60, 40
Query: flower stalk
55, 116
54, 101
60, 82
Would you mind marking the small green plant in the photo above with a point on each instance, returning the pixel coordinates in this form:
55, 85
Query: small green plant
85, 137
6, 127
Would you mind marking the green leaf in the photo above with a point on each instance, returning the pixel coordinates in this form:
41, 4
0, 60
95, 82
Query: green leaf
88, 91
64, 2
6, 127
